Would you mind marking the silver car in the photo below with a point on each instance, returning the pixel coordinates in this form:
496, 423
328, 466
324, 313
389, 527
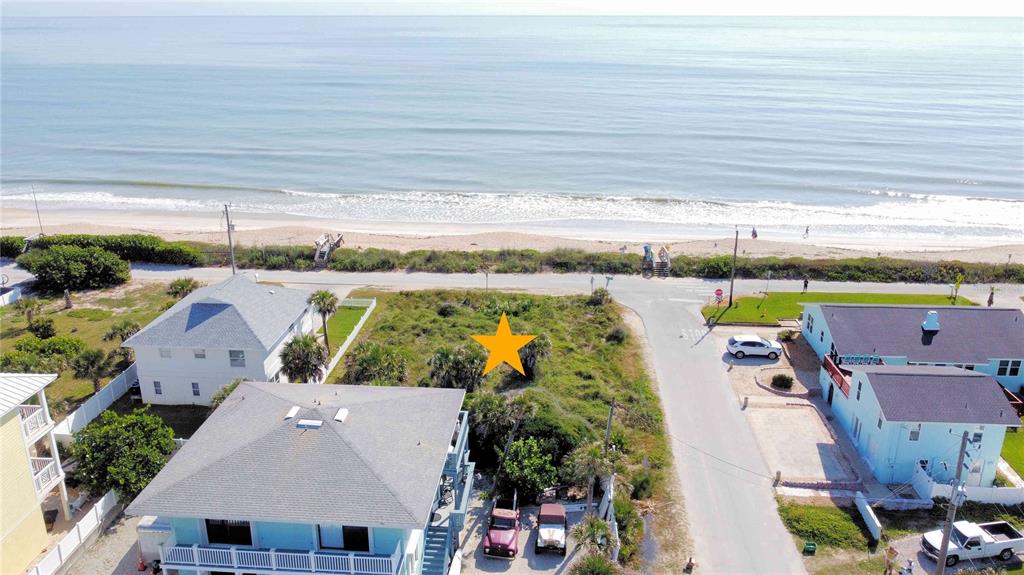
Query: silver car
744, 345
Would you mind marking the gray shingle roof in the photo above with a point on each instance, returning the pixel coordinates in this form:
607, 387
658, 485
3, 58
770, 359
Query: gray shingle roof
237, 313
918, 393
380, 467
966, 334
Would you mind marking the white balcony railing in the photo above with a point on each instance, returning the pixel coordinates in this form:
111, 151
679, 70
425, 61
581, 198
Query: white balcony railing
33, 421
206, 557
45, 473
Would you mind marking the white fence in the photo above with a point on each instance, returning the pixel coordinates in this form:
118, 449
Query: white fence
82, 530
95, 405
874, 526
10, 295
927, 488
369, 304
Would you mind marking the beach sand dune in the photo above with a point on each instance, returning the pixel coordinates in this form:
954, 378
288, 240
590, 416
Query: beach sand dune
273, 229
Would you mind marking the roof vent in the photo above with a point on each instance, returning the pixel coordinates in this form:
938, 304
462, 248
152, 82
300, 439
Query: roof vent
342, 415
271, 292
931, 321
309, 424
292, 412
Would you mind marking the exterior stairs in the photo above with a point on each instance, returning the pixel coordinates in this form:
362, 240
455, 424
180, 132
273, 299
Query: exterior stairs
435, 552
661, 269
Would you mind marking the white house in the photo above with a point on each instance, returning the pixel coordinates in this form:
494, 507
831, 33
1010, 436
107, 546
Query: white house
217, 334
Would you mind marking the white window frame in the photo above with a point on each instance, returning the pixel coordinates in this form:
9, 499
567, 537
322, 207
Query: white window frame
195, 389
236, 361
158, 388
915, 433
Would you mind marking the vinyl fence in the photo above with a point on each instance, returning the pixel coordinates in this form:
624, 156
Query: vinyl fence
868, 514
927, 488
86, 526
369, 304
95, 405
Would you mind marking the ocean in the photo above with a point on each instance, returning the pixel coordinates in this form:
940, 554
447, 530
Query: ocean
893, 130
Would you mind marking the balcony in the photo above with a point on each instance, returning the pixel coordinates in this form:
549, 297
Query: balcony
34, 422
46, 474
276, 561
457, 449
837, 375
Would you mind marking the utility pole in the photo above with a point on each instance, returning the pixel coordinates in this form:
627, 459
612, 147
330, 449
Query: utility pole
954, 500
231, 244
732, 276
38, 217
608, 429
767, 282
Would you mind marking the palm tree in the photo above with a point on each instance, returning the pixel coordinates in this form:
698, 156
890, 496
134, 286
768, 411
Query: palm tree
181, 287
325, 303
585, 463
303, 359
28, 306
592, 534
122, 330
457, 368
92, 364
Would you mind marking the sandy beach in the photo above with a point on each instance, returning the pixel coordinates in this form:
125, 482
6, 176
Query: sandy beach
268, 229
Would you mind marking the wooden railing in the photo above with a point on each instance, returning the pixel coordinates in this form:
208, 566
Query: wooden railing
207, 557
840, 379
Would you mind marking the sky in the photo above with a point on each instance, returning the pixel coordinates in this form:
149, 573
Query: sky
524, 7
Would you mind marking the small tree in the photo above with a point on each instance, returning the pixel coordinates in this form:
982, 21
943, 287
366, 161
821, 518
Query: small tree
592, 534
374, 364
594, 565
532, 353
600, 296
42, 327
122, 330
221, 394
528, 468
74, 268
325, 303
303, 359
92, 364
181, 287
586, 463
461, 367
122, 452
28, 306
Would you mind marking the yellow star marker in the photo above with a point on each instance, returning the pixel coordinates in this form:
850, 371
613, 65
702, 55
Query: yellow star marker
503, 346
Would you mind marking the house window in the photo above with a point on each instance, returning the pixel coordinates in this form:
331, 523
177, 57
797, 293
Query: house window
979, 432
225, 532
856, 427
199, 353
237, 357
915, 432
879, 423
344, 538
1008, 367
969, 367
165, 353
810, 324
859, 385
195, 388
923, 463
822, 336
157, 389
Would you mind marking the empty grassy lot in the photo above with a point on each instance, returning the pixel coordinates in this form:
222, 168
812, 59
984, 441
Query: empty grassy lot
341, 324
768, 310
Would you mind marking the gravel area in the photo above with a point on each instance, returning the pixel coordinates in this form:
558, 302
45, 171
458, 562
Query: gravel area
115, 552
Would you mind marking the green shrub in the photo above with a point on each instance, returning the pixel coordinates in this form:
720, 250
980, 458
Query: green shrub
131, 247
617, 335
28, 362
70, 267
643, 485
528, 469
631, 528
447, 309
600, 296
825, 525
42, 327
594, 564
368, 260
460, 368
66, 346
788, 335
11, 246
374, 364
782, 381
122, 452
275, 257
181, 287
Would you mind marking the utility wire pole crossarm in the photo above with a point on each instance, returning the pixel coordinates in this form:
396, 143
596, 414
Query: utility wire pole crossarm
956, 498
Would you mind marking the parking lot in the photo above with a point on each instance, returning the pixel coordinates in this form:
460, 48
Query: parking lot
795, 441
474, 560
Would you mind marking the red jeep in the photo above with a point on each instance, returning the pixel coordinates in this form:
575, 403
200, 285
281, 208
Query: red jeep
502, 538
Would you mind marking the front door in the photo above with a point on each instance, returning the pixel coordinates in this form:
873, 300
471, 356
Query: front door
225, 532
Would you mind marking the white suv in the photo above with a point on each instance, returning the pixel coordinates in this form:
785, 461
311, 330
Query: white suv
744, 345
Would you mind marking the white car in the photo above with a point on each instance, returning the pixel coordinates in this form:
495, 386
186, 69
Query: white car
744, 345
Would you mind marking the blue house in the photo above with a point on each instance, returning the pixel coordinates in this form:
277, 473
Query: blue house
325, 479
982, 339
906, 417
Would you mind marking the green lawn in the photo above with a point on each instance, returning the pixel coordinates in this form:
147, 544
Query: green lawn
341, 324
768, 310
1013, 450
90, 318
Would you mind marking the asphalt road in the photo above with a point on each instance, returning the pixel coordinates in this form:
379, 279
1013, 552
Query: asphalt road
724, 479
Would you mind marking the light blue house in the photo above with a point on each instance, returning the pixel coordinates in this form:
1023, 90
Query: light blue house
325, 479
986, 340
905, 417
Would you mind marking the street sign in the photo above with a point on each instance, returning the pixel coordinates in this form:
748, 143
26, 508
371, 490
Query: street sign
718, 295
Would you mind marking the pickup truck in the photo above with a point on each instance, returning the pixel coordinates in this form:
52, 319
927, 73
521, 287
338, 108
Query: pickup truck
552, 523
502, 537
974, 541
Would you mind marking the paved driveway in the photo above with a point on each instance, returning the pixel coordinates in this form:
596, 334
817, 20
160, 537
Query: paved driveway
474, 561
725, 482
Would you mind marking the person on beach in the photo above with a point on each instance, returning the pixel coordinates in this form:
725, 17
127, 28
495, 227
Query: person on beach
991, 296
807, 232
753, 233
806, 281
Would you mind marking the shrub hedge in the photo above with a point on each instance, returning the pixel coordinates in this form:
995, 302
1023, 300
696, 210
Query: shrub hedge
825, 525
11, 246
131, 247
74, 268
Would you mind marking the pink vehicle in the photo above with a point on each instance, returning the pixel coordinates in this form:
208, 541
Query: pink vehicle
502, 538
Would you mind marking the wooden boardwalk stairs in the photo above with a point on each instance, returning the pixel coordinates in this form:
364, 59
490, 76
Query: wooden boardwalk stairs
435, 552
661, 269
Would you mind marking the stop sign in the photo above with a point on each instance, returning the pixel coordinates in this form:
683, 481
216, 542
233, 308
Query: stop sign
719, 292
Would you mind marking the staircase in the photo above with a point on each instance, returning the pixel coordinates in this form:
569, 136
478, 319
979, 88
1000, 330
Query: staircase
661, 269
435, 551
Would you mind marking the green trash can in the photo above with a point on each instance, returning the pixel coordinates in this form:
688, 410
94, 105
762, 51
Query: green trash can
810, 548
